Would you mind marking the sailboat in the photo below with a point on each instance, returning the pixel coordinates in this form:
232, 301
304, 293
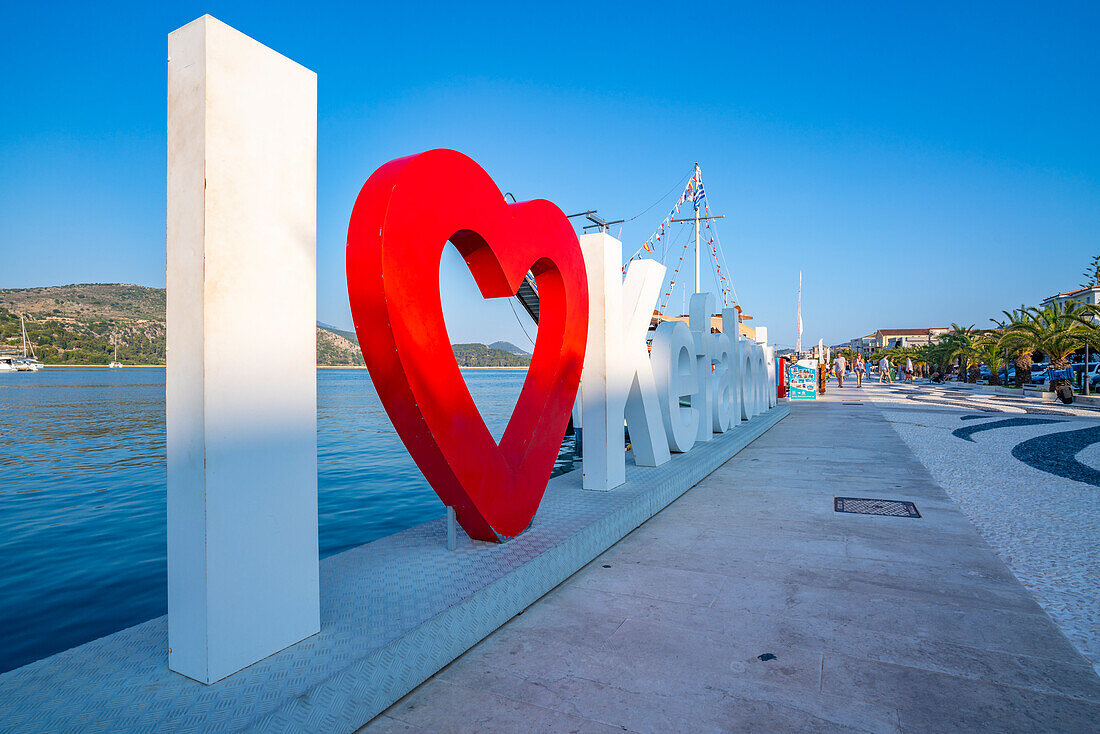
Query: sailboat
28, 363
115, 364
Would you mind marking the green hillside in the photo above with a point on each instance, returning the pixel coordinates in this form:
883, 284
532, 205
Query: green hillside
75, 325
510, 348
479, 355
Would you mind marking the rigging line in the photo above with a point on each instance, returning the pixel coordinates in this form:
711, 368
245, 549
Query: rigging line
642, 247
720, 276
671, 240
729, 276
675, 273
736, 298
511, 302
665, 196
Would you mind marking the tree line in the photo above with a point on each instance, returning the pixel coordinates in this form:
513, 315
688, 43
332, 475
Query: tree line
1056, 331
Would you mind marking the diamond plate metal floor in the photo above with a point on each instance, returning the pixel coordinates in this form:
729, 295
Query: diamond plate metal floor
393, 612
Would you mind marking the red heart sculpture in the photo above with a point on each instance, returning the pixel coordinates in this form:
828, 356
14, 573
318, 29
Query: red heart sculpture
404, 216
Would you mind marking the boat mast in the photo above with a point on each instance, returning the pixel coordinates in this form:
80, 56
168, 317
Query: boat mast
695, 201
23, 327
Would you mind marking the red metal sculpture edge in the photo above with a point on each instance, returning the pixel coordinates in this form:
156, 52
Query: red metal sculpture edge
404, 216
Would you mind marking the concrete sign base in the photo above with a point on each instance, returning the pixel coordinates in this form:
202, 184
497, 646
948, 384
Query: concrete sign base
393, 612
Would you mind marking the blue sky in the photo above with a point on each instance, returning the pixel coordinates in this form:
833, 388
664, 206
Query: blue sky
921, 164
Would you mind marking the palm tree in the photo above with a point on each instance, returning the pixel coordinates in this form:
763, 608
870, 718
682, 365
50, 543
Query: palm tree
961, 345
1091, 314
1057, 331
923, 358
992, 356
937, 355
1018, 348
904, 353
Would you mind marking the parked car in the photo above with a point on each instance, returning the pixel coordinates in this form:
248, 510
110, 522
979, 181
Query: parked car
1000, 373
1094, 372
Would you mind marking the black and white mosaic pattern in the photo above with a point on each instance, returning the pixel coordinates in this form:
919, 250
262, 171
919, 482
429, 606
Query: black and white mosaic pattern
1030, 483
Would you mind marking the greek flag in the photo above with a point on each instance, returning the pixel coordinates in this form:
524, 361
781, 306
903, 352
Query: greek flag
700, 195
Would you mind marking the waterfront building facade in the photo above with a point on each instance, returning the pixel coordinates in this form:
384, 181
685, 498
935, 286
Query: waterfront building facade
893, 338
1089, 295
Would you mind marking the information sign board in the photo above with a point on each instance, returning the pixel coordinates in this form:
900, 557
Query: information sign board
804, 380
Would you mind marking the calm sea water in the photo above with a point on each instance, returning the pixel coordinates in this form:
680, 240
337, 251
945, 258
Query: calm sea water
82, 493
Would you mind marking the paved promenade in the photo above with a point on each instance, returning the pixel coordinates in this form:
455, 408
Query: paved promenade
750, 605
1027, 474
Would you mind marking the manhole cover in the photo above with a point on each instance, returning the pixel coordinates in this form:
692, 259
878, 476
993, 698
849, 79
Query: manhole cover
864, 506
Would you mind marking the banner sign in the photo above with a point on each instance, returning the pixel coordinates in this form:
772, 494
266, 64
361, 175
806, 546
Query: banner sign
804, 380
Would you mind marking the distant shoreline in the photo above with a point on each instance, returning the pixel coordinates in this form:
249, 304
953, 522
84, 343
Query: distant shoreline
105, 367
356, 367
320, 367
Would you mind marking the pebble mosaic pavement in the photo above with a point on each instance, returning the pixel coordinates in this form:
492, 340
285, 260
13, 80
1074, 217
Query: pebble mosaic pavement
1030, 485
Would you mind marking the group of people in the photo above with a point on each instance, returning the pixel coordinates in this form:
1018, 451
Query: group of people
860, 367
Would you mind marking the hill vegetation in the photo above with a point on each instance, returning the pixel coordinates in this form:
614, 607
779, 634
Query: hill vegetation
334, 349
509, 347
76, 324
479, 355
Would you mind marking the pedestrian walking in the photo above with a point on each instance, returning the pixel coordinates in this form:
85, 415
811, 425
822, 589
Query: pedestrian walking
884, 370
859, 370
840, 365
909, 370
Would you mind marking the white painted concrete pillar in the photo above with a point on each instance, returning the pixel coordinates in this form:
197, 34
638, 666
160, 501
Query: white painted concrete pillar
241, 377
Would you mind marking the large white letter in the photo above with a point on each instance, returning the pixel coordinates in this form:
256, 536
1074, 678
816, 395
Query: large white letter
617, 382
748, 378
767, 378
723, 382
603, 381
641, 289
732, 329
241, 381
700, 309
770, 386
674, 367
760, 376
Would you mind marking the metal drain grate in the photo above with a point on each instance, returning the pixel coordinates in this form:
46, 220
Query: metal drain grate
864, 506
851, 403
